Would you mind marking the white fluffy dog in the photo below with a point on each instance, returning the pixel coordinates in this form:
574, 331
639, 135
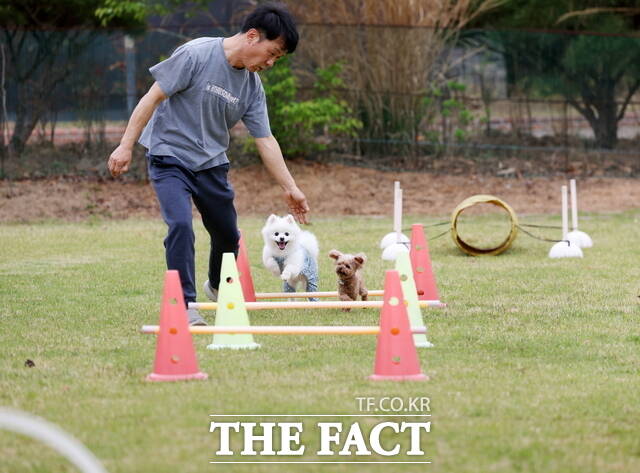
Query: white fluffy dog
290, 253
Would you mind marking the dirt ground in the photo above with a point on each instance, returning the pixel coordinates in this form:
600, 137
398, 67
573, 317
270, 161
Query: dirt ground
331, 190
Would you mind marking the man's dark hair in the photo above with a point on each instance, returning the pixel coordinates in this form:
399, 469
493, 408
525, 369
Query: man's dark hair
274, 21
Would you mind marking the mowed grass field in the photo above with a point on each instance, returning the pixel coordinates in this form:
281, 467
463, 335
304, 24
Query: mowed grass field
536, 364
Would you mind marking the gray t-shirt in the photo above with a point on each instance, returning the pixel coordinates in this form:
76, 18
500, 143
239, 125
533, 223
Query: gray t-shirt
206, 97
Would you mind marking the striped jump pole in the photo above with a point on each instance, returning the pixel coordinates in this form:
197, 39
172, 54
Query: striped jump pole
306, 295
307, 305
282, 330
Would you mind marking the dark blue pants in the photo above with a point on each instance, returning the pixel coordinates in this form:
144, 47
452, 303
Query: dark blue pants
176, 187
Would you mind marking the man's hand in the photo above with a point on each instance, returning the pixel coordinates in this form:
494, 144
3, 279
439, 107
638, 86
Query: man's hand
297, 203
119, 161
271, 155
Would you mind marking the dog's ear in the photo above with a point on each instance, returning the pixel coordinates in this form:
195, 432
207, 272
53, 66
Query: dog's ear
271, 218
335, 254
290, 219
360, 258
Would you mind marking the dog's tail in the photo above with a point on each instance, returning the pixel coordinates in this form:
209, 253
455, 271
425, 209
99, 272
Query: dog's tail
309, 241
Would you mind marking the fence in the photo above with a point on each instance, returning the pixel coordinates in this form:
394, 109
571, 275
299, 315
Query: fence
503, 102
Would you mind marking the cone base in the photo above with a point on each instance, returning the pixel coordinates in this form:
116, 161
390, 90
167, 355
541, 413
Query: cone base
176, 377
425, 344
406, 377
246, 346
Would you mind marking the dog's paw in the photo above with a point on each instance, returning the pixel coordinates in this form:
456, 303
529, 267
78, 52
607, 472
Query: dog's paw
286, 275
273, 268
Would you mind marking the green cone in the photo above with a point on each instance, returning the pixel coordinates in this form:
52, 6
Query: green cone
231, 309
403, 266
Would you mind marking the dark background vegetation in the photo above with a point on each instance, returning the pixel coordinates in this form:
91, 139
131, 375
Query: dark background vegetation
502, 87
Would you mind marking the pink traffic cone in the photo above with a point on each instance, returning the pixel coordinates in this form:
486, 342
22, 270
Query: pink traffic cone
175, 355
421, 264
244, 273
396, 356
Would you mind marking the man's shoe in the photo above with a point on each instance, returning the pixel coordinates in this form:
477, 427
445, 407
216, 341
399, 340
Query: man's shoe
195, 318
210, 292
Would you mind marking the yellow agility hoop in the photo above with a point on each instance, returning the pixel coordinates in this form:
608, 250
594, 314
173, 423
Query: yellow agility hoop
483, 199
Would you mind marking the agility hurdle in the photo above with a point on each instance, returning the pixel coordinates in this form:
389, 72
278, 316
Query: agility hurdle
307, 305
396, 357
284, 330
232, 308
420, 268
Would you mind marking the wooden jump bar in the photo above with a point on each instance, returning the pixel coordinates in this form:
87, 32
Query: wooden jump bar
308, 305
281, 330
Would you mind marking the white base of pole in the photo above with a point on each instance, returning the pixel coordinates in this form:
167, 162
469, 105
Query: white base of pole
564, 249
392, 238
391, 252
580, 239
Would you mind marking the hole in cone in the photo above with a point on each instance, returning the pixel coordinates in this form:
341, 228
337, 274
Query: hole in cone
173, 301
403, 277
394, 301
175, 359
420, 292
420, 269
406, 303
395, 331
229, 279
418, 247
395, 360
230, 305
173, 330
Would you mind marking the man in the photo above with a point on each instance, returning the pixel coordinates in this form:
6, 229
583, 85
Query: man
199, 93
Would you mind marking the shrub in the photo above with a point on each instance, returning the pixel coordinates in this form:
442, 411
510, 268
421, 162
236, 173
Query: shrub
304, 127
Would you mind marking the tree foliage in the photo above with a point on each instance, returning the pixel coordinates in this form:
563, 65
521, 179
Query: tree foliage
65, 14
594, 64
40, 41
38, 44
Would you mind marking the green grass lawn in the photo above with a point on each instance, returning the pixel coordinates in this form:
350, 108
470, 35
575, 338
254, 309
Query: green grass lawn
535, 367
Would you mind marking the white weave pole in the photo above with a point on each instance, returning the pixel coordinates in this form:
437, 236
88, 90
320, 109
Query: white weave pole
396, 235
576, 237
52, 435
564, 248
401, 245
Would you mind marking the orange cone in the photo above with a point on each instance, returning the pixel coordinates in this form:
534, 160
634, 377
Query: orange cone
421, 264
396, 356
244, 273
175, 355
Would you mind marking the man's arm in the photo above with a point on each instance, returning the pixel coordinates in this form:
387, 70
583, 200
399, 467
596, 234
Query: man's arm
273, 160
120, 159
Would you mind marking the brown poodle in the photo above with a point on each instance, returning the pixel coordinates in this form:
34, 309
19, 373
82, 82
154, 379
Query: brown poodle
349, 271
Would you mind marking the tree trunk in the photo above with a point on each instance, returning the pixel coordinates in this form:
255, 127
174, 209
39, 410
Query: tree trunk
28, 112
38, 76
604, 120
21, 134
